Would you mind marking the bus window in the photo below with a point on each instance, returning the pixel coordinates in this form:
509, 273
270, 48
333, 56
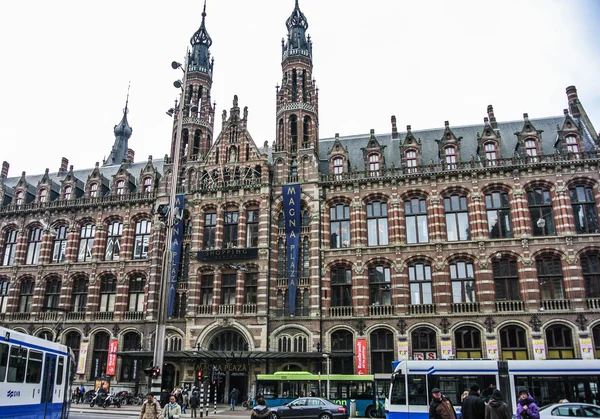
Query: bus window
16, 364
416, 390
60, 371
267, 389
34, 367
3, 360
398, 394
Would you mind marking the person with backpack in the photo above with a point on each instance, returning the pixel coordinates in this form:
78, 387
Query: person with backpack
194, 403
151, 408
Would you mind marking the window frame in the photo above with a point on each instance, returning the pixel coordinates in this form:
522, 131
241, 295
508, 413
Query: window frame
417, 224
539, 201
377, 223
420, 283
86, 242
497, 203
339, 221
141, 239
34, 245
108, 294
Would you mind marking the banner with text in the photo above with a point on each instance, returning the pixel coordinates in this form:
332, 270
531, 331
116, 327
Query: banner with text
111, 364
83, 350
446, 346
492, 348
361, 356
291, 214
176, 239
539, 349
587, 349
402, 350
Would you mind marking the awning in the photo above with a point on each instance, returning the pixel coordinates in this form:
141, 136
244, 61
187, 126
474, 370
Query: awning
233, 356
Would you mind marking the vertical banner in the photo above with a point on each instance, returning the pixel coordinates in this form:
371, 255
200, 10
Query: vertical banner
361, 356
83, 350
446, 346
539, 349
402, 350
492, 348
291, 214
587, 349
111, 364
176, 239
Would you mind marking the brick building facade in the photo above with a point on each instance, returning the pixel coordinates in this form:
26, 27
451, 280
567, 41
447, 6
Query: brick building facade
446, 242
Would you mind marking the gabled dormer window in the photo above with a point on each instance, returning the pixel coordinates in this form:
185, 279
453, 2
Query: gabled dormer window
43, 195
338, 167
374, 164
93, 190
531, 149
572, 144
450, 157
19, 198
148, 184
67, 192
411, 161
120, 187
491, 153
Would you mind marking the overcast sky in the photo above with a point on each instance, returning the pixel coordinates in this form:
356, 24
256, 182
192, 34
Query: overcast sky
66, 65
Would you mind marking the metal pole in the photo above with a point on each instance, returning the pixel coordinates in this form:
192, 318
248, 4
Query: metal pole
207, 398
161, 321
328, 371
201, 398
215, 396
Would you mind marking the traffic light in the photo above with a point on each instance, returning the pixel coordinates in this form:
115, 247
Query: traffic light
199, 375
155, 372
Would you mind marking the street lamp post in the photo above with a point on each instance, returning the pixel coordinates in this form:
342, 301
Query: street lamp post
161, 322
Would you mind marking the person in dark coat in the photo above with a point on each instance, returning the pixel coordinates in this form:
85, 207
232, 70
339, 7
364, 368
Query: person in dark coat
440, 407
496, 407
473, 407
194, 403
526, 407
260, 411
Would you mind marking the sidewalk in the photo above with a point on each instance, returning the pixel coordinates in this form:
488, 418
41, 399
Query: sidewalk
130, 410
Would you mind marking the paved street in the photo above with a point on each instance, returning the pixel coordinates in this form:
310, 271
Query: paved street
83, 411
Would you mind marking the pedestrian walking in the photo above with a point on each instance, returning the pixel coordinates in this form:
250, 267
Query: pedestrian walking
233, 396
260, 411
496, 407
172, 410
440, 407
185, 397
150, 408
526, 407
194, 403
473, 407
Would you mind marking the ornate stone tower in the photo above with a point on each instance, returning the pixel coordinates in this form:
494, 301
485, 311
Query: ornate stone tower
122, 131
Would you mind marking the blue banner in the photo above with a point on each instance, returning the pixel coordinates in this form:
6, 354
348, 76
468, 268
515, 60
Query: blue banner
292, 216
176, 239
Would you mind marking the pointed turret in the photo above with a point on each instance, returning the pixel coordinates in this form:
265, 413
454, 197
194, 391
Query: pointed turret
201, 41
122, 133
297, 42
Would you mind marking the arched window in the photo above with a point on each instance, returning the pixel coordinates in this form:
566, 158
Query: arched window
513, 343
506, 280
141, 245
137, 287
280, 131
590, 266
46, 335
129, 366
59, 248
67, 192
108, 293
551, 278
491, 153
210, 229
113, 241
380, 285
338, 167
293, 133
531, 150
382, 351
306, 131
281, 258
339, 226
572, 144
252, 227
341, 287
34, 246
52, 294
10, 247
4, 286
468, 343
93, 190
540, 212
596, 337
583, 202
498, 215
560, 342
86, 242
457, 218
462, 279
450, 157
377, 223
43, 195
342, 343
415, 213
73, 341
26, 295
419, 277
374, 164
148, 184
411, 161
228, 340
100, 354
423, 343
304, 270
19, 198
80, 292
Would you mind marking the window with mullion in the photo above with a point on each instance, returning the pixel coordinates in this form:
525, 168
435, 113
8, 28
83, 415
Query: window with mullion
141, 243
572, 144
377, 223
411, 161
10, 248
252, 228
513, 343
457, 218
250, 287
531, 150
281, 268
136, 294
339, 226
415, 213
374, 165
26, 296
498, 215
419, 277
560, 342
338, 167
131, 342
230, 229
59, 248
305, 258
4, 285
206, 289
462, 279
100, 354
341, 287
52, 295
228, 286
450, 156
113, 241
108, 290
550, 276
490, 153
540, 212
382, 351
342, 342
584, 209
80, 292
86, 242
73, 341
380, 285
34, 246
590, 266
210, 229
468, 342
506, 280
423, 339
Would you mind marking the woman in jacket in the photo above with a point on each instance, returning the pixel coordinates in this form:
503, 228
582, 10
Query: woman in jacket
526, 407
172, 410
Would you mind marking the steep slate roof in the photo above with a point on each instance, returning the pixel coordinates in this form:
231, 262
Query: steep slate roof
429, 146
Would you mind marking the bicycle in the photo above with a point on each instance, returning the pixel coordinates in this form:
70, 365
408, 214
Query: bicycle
248, 404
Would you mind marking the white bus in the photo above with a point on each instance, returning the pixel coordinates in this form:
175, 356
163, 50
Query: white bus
548, 381
35, 377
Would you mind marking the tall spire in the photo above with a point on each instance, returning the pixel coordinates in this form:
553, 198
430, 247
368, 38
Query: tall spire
297, 42
201, 42
122, 133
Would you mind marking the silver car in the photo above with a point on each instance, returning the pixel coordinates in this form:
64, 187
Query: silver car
309, 408
569, 410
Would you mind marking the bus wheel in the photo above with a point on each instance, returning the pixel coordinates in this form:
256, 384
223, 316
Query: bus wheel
371, 412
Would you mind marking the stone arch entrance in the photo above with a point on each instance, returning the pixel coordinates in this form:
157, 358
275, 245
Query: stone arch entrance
231, 372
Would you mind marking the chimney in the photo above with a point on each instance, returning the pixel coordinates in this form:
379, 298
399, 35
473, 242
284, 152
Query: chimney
63, 166
130, 155
4, 173
394, 128
492, 117
573, 101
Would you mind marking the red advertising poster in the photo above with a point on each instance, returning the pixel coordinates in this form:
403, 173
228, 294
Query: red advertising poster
111, 364
361, 356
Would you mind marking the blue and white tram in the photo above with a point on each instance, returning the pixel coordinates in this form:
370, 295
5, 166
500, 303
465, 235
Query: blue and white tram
35, 377
548, 381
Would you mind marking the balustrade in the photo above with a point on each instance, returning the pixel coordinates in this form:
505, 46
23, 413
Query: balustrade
503, 306
466, 307
343, 311
227, 309
422, 309
556, 305
78, 315
133, 315
249, 309
20, 317
378, 310
204, 310
593, 303
103, 315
